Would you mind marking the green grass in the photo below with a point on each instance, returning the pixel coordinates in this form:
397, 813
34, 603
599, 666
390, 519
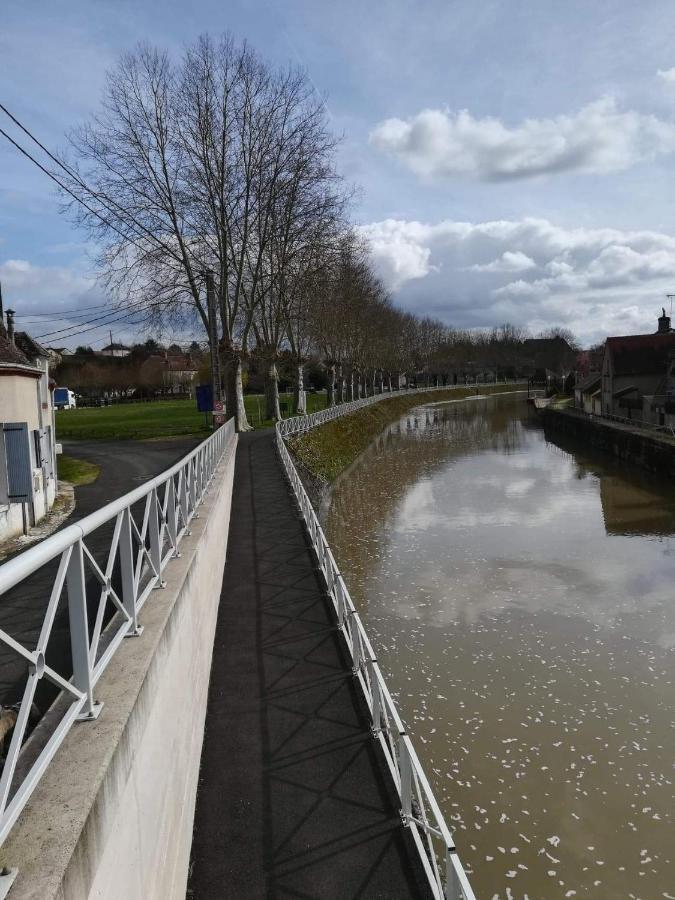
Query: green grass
76, 471
327, 451
158, 419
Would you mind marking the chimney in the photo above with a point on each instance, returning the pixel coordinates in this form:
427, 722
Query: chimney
664, 323
10, 324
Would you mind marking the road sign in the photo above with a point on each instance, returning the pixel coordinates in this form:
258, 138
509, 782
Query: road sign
218, 413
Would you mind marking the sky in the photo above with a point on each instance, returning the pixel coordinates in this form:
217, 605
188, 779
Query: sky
515, 160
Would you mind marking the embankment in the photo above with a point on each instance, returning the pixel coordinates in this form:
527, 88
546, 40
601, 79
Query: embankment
642, 448
325, 452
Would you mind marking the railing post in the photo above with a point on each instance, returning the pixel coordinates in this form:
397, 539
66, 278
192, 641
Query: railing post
376, 699
172, 518
155, 543
406, 781
79, 632
356, 651
127, 574
453, 889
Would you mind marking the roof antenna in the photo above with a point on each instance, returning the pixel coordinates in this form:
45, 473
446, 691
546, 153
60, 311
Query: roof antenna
670, 297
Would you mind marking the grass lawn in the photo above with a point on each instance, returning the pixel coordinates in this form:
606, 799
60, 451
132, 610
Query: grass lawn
76, 471
158, 419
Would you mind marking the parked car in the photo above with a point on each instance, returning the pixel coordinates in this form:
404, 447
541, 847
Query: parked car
64, 399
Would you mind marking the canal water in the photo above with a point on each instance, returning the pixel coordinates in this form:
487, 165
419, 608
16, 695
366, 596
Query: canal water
520, 595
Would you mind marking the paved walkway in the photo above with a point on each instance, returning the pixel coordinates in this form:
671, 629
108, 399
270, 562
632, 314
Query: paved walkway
293, 798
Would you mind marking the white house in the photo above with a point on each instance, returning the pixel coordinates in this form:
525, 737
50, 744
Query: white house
27, 445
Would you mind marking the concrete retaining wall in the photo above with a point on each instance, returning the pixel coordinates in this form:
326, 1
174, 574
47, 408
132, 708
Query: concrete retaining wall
112, 818
641, 448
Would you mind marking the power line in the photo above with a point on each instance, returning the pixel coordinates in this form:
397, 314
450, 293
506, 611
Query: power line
78, 179
77, 325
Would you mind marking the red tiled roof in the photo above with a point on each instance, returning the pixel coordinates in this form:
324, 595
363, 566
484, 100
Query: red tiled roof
641, 354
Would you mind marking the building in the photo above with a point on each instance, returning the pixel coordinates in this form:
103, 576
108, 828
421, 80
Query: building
180, 373
546, 359
115, 350
588, 394
636, 375
27, 446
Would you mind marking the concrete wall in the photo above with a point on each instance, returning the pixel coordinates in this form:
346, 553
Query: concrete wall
650, 451
112, 818
18, 400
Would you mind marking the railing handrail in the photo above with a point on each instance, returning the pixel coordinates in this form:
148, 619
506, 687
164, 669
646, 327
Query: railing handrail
14, 570
137, 553
296, 424
419, 808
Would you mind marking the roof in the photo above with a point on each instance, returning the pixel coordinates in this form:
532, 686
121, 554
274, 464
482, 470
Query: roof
115, 346
11, 354
641, 354
631, 389
30, 347
589, 382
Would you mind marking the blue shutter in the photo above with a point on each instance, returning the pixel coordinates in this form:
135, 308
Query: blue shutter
18, 462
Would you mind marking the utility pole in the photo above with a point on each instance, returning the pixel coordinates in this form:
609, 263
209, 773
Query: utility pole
213, 334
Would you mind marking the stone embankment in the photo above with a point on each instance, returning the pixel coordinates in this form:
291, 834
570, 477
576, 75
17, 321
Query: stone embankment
650, 450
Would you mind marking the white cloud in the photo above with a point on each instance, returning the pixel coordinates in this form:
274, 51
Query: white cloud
531, 272
599, 138
667, 74
509, 261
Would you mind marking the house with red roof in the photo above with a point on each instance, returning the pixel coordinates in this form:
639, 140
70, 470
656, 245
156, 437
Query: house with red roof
637, 377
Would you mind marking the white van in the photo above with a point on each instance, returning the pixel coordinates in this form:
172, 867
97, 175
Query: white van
64, 399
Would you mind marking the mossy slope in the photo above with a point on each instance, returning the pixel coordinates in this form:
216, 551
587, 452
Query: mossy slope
325, 452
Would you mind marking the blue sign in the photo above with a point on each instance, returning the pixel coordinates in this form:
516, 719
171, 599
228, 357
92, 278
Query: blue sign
204, 394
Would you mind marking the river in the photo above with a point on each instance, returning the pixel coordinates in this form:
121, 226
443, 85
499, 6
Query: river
520, 596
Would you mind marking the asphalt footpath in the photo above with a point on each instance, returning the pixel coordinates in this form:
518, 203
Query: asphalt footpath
294, 800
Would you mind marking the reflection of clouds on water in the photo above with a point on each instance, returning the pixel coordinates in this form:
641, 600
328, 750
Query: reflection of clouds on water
519, 597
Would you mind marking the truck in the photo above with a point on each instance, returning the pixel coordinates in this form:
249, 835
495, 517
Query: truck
64, 399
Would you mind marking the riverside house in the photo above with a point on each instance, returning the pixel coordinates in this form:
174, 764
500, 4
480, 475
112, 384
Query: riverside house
636, 375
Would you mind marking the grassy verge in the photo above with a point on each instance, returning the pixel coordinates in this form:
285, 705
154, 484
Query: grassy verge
76, 471
158, 419
325, 452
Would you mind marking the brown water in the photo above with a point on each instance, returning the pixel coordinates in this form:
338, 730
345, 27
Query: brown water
521, 599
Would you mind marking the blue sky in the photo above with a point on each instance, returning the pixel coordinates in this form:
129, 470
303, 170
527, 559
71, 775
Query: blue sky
516, 160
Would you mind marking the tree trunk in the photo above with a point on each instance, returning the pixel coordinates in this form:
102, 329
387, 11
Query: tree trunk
343, 386
351, 385
300, 395
234, 391
389, 381
272, 409
331, 385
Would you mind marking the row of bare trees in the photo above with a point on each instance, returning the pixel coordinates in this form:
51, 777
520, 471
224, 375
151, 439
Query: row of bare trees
218, 162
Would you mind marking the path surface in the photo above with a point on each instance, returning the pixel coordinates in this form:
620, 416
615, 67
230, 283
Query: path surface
293, 798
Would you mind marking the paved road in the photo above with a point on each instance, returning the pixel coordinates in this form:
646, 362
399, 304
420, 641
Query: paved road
124, 466
293, 800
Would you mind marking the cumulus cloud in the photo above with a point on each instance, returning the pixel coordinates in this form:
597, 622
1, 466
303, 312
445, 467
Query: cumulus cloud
529, 271
599, 138
667, 75
31, 289
509, 261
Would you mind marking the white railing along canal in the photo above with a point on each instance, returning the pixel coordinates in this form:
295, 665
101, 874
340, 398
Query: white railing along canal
419, 809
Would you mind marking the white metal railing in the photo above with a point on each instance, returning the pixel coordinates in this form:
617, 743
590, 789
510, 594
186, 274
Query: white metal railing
300, 424
667, 430
419, 809
134, 538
